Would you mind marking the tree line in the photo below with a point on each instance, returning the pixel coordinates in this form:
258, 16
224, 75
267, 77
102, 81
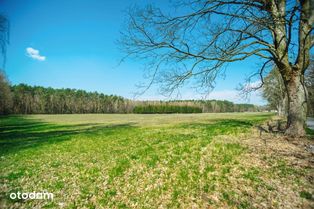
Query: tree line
39, 100
26, 99
193, 106
166, 108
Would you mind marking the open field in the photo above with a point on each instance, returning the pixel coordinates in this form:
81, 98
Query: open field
152, 161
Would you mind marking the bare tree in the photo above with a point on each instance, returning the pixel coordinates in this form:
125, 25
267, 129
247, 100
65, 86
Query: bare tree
5, 92
4, 36
199, 39
274, 92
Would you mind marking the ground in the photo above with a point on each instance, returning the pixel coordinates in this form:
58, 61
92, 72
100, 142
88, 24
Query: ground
153, 161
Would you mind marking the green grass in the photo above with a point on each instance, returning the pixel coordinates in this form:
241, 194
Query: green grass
310, 132
124, 161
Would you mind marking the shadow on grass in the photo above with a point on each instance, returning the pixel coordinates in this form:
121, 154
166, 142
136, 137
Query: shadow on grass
220, 124
18, 132
222, 127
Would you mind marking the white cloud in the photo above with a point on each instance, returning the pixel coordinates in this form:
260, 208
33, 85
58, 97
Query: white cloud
34, 53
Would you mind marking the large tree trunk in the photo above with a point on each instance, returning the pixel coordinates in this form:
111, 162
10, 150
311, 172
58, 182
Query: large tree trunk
297, 106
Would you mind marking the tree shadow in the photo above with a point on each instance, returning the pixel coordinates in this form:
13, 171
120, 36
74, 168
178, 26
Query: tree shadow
220, 123
18, 132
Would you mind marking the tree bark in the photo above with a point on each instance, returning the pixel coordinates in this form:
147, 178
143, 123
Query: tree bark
297, 106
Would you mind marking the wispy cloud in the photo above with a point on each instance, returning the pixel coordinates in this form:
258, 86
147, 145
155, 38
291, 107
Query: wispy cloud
34, 53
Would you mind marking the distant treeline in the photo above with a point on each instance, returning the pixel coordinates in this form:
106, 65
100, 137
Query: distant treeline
166, 108
40, 100
192, 106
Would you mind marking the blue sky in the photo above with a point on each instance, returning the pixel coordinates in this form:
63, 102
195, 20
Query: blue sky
72, 44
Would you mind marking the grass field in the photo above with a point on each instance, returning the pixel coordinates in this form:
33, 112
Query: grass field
152, 161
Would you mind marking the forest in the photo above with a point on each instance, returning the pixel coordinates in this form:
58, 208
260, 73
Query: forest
26, 99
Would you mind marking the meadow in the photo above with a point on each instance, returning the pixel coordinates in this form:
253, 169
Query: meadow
152, 161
